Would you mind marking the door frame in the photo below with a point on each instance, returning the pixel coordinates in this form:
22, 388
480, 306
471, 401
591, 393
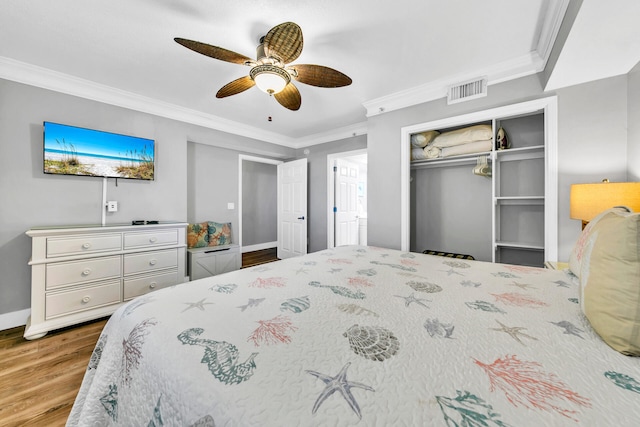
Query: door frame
241, 158
331, 158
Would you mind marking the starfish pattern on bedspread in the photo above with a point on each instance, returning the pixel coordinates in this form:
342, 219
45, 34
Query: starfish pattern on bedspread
523, 286
199, 305
339, 383
412, 298
514, 331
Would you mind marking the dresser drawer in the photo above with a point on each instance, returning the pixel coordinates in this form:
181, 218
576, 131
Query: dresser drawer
150, 238
65, 246
149, 261
67, 302
142, 285
61, 274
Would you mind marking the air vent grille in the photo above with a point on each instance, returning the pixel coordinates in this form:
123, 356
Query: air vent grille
467, 91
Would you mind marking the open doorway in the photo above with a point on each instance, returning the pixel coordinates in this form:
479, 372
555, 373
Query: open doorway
347, 198
257, 204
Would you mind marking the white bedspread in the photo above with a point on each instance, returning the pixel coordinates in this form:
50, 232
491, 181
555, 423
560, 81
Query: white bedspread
360, 336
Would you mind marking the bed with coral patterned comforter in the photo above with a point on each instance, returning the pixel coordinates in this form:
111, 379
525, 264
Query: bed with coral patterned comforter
360, 336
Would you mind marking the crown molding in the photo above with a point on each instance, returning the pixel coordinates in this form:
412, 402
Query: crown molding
550, 28
33, 75
531, 63
45, 78
519, 67
332, 135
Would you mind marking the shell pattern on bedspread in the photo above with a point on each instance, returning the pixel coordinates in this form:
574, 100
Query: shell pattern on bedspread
427, 287
372, 342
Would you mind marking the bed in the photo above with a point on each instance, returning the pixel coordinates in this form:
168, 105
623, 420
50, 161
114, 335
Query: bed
360, 336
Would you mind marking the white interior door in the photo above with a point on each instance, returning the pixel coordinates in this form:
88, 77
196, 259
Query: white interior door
346, 199
292, 209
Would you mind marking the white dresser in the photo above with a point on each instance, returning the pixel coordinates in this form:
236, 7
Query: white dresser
82, 273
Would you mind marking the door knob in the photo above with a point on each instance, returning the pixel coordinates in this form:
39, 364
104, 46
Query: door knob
300, 217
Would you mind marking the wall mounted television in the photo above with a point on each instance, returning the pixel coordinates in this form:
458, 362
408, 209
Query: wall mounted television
70, 150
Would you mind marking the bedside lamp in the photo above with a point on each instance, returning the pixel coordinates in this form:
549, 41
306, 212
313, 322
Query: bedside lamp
588, 200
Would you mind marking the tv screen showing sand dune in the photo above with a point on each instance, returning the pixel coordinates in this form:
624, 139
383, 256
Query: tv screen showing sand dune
70, 150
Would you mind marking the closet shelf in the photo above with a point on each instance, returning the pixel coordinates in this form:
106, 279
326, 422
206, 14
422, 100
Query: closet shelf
522, 153
464, 159
519, 245
520, 200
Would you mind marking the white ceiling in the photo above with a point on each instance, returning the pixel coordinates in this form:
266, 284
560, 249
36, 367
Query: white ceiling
604, 41
397, 53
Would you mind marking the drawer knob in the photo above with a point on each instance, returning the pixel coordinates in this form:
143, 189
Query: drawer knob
152, 285
153, 262
86, 299
86, 245
153, 239
86, 272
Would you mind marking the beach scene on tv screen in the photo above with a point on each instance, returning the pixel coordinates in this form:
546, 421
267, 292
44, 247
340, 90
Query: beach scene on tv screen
70, 150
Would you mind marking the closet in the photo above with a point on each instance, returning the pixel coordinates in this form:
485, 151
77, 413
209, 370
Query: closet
496, 203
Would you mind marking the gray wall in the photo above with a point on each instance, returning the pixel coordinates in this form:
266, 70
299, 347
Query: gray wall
30, 198
212, 183
592, 144
317, 192
259, 203
452, 211
633, 150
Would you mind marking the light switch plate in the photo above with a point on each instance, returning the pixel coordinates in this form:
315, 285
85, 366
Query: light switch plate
230, 205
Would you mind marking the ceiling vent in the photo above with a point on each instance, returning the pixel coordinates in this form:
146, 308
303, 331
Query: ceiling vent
467, 91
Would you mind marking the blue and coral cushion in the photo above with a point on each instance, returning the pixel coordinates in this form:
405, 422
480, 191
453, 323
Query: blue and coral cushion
198, 235
219, 233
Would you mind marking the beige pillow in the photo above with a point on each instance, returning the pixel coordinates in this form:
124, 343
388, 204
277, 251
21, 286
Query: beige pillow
463, 136
610, 280
575, 259
419, 140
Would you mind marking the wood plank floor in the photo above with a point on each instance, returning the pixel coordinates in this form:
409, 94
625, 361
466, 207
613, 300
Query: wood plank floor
39, 379
250, 259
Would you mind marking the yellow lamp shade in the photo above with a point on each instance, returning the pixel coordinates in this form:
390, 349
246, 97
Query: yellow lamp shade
588, 200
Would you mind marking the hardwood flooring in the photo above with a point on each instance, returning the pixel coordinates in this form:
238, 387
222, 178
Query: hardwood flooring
39, 379
250, 259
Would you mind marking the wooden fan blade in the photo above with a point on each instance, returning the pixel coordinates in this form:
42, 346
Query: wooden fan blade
321, 76
284, 42
289, 97
235, 87
214, 51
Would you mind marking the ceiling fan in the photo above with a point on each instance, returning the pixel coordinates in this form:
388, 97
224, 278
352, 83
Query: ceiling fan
270, 72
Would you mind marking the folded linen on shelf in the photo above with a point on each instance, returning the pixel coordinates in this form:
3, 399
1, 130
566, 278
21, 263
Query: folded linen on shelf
469, 148
432, 152
463, 136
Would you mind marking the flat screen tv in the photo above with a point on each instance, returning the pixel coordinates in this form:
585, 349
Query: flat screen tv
70, 150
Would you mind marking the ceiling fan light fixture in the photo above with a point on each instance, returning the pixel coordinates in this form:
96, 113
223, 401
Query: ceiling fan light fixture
269, 78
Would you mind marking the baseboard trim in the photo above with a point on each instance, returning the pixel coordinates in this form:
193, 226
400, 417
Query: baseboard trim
259, 247
14, 319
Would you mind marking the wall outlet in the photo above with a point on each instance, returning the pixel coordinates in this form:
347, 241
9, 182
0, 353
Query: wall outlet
112, 206
230, 205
